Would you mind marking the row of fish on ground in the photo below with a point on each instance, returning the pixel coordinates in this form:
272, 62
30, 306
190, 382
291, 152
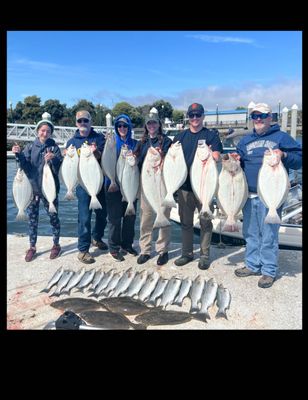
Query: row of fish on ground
149, 288
160, 179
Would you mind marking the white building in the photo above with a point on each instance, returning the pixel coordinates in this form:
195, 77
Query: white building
225, 117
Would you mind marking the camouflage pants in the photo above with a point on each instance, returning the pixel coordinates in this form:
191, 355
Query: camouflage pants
33, 214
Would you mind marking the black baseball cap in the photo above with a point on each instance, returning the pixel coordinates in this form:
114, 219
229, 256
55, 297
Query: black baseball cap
195, 107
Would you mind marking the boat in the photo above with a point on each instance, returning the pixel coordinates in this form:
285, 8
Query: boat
290, 231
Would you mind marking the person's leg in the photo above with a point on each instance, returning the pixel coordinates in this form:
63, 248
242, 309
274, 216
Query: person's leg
54, 220
101, 217
163, 240
128, 227
186, 212
33, 214
114, 207
146, 225
84, 220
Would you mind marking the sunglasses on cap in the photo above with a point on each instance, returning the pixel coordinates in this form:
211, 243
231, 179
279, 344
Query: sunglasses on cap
193, 115
122, 126
82, 120
261, 116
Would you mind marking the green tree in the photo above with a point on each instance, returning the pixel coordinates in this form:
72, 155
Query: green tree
55, 109
18, 112
32, 112
178, 116
125, 108
164, 109
100, 115
84, 104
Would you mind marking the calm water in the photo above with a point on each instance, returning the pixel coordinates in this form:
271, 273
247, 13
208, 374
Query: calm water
68, 213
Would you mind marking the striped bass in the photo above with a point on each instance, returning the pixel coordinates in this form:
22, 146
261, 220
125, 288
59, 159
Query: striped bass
69, 171
90, 175
195, 294
54, 280
153, 186
66, 276
158, 291
75, 279
22, 193
174, 171
170, 292
273, 185
232, 191
204, 177
124, 282
223, 301
149, 286
208, 297
184, 291
49, 187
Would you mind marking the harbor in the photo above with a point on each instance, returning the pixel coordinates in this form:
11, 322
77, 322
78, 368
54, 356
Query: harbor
251, 308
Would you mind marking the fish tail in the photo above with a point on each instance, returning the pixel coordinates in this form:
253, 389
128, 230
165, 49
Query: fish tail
161, 221
169, 201
230, 225
52, 208
69, 195
178, 302
130, 210
207, 211
221, 314
201, 316
44, 290
94, 203
139, 326
21, 216
272, 217
194, 310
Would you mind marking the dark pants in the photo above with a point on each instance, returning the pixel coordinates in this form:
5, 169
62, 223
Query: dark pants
84, 219
121, 228
33, 213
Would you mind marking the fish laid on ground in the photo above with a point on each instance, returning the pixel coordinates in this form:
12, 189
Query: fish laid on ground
136, 284
208, 298
184, 291
49, 187
120, 166
158, 291
124, 282
130, 182
124, 305
153, 186
90, 175
273, 185
96, 280
174, 172
54, 280
112, 284
195, 294
223, 301
66, 276
109, 159
149, 286
69, 171
204, 177
232, 191
109, 320
77, 304
103, 283
156, 316
86, 280
22, 194
75, 279
170, 292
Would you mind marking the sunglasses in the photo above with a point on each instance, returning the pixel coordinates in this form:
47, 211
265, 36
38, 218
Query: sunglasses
261, 116
122, 126
193, 115
82, 120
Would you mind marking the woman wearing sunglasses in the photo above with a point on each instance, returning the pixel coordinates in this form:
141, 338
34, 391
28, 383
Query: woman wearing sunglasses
121, 226
261, 257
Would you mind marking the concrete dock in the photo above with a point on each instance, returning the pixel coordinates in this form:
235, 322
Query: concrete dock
278, 307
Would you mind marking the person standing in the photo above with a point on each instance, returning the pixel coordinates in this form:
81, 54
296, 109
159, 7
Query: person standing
153, 136
32, 160
187, 200
86, 134
121, 226
261, 256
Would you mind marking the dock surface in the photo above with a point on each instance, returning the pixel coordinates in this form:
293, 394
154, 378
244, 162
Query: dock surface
278, 307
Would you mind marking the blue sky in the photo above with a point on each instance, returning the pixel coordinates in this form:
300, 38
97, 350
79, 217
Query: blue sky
228, 68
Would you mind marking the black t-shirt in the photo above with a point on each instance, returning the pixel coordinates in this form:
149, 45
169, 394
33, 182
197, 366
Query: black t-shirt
189, 141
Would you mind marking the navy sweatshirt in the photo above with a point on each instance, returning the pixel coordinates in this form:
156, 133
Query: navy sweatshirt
77, 140
251, 148
32, 161
189, 141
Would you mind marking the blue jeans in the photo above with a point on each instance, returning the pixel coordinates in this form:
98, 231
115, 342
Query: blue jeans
84, 219
261, 239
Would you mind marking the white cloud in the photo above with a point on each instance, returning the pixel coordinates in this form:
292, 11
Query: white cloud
222, 39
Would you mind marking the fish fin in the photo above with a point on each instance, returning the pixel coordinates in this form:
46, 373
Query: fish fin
21, 216
130, 210
52, 208
230, 225
69, 196
169, 201
161, 221
44, 290
94, 203
221, 314
194, 310
272, 217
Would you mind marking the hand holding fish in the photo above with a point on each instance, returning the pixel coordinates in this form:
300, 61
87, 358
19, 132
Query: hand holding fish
236, 156
279, 153
49, 156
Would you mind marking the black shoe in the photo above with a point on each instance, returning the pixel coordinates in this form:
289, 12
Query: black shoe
117, 256
163, 259
265, 281
143, 258
130, 250
204, 263
242, 272
183, 260
100, 244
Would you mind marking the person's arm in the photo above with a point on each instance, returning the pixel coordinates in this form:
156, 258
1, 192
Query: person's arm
291, 152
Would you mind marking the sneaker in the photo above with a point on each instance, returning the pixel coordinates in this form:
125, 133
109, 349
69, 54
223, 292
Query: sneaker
100, 244
163, 259
117, 256
143, 258
266, 281
55, 251
30, 254
130, 250
85, 257
242, 272
204, 263
183, 260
